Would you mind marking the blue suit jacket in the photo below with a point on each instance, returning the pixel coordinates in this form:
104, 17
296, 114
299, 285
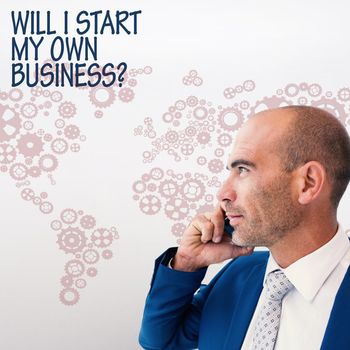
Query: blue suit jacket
218, 315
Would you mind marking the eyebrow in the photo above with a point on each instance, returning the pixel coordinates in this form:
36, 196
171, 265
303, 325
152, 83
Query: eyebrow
238, 162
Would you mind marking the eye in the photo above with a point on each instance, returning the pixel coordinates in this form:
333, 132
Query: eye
242, 169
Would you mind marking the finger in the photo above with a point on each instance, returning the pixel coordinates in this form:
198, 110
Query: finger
203, 224
218, 220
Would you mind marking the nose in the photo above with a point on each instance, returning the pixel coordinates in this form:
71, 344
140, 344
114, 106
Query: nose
226, 192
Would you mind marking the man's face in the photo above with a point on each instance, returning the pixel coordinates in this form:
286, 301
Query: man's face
257, 196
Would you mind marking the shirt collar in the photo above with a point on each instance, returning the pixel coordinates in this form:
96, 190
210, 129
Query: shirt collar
310, 272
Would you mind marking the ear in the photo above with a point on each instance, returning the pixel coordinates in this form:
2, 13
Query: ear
310, 181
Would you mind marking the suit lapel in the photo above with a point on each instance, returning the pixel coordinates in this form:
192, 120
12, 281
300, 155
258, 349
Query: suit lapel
337, 335
246, 305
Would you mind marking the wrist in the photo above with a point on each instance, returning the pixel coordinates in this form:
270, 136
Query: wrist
182, 263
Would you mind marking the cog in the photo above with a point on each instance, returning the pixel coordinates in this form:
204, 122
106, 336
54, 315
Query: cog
102, 238
74, 268
18, 171
332, 106
150, 204
344, 94
193, 190
91, 256
216, 166
176, 208
270, 102
178, 229
10, 123
48, 162
69, 296
7, 153
67, 109
168, 188
71, 132
30, 145
126, 94
230, 118
71, 240
102, 96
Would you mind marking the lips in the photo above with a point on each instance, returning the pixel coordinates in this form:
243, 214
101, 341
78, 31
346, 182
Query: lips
234, 219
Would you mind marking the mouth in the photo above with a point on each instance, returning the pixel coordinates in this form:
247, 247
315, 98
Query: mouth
234, 219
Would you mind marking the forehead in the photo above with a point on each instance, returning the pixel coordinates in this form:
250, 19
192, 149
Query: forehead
257, 139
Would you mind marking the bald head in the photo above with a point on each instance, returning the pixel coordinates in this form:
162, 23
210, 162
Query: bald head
311, 134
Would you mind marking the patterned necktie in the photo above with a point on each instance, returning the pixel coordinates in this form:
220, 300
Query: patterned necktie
268, 321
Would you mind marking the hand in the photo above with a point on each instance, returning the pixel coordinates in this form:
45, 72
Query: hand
204, 243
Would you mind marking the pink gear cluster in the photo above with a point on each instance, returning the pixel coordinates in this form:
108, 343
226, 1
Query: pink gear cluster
247, 86
192, 78
196, 125
102, 97
40, 200
27, 151
85, 243
179, 196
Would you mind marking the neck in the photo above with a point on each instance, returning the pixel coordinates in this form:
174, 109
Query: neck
303, 241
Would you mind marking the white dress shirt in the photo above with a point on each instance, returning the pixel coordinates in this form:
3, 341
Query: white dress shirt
306, 308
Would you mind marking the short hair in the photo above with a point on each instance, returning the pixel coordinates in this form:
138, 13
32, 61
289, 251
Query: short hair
315, 134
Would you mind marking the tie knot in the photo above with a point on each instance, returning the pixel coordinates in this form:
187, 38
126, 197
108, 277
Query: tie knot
278, 285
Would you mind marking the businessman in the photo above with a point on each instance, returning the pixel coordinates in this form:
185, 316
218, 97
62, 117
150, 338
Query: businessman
288, 170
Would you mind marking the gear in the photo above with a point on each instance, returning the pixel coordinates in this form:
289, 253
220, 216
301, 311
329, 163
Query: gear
102, 96
192, 101
10, 123
168, 188
200, 113
102, 238
74, 268
87, 222
216, 166
7, 153
150, 204
269, 102
187, 149
315, 90
67, 109
230, 118
126, 94
249, 85
332, 106
27, 194
190, 131
91, 256
59, 146
180, 105
291, 90
46, 207
156, 173
193, 190
69, 296
30, 145
71, 240
48, 162
66, 281
56, 96
34, 171
171, 136
29, 110
69, 216
176, 208
178, 229
203, 137
344, 94
71, 132
229, 93
18, 171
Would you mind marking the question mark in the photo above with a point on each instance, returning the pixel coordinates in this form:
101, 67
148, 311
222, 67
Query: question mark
120, 77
